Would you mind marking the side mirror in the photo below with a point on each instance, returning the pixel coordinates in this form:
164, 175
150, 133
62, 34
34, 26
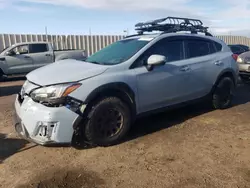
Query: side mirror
155, 60
10, 53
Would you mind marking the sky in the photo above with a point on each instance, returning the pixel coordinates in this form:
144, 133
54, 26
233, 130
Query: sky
104, 17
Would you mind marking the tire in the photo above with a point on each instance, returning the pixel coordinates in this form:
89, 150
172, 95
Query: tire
108, 122
223, 93
1, 75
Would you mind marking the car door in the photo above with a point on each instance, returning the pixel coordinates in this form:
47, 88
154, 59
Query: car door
40, 54
18, 60
166, 84
203, 62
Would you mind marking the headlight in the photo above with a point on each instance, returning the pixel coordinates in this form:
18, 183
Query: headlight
53, 94
239, 59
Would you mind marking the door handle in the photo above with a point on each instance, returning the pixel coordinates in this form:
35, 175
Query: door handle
47, 55
26, 57
185, 68
2, 59
218, 63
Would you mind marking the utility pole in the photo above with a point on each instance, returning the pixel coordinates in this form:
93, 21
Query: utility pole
90, 31
46, 33
126, 31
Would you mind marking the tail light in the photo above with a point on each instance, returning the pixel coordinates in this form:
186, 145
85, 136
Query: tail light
235, 56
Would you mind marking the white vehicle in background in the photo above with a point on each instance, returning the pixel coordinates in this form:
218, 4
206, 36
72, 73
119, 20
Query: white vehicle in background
22, 58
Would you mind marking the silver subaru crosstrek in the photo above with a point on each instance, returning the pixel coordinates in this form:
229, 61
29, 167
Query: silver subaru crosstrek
99, 99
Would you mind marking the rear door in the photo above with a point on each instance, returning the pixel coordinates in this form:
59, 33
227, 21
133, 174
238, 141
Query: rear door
20, 61
41, 54
205, 63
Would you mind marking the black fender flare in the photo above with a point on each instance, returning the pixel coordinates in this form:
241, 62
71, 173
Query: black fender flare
118, 89
227, 72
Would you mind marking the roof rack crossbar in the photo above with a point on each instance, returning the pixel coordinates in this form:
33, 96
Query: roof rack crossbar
174, 24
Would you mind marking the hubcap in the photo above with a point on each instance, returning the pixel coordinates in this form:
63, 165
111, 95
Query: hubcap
109, 123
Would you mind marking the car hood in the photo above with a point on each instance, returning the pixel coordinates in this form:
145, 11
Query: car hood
65, 71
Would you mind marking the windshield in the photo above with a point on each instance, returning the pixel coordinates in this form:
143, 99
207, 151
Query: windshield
118, 52
4, 48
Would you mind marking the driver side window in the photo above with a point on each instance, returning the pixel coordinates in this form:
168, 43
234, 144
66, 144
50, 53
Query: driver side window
19, 50
171, 49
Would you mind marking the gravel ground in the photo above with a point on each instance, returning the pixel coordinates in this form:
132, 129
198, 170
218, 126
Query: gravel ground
189, 147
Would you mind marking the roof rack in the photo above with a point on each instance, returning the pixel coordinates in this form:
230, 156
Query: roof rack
173, 24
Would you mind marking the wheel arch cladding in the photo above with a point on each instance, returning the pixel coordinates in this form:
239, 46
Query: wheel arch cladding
117, 89
227, 73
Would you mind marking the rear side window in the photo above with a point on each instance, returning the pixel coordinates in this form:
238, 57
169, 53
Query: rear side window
38, 48
218, 46
197, 48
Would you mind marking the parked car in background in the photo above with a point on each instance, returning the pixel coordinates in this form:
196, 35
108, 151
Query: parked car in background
238, 48
98, 100
243, 61
22, 58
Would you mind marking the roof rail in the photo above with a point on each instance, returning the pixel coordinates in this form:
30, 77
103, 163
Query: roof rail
173, 24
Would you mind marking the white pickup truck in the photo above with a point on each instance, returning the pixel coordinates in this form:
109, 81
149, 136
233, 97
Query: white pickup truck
22, 58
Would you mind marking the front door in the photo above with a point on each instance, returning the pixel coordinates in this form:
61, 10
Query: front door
166, 84
20, 61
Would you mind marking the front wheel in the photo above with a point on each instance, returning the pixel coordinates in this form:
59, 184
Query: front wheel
223, 93
108, 122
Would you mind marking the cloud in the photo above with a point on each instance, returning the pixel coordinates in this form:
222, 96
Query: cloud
26, 8
111, 4
4, 3
224, 15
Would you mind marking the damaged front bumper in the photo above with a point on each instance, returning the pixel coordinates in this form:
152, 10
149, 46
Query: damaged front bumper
44, 125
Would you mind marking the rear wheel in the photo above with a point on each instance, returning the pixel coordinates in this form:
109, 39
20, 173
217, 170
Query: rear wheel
223, 93
108, 122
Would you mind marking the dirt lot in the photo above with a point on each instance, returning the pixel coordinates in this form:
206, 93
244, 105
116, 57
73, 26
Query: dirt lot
190, 147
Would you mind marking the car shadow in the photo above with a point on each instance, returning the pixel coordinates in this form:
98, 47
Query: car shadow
13, 79
164, 120
242, 94
9, 90
11, 146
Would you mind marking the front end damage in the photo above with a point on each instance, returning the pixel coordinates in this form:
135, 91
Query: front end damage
46, 125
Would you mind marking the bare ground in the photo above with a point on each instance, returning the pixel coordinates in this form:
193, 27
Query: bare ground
189, 147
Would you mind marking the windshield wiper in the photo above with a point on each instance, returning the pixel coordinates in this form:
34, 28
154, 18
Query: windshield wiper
95, 62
